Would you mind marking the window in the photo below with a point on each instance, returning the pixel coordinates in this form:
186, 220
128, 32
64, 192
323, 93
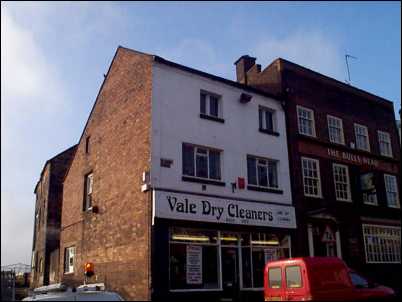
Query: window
367, 186
201, 162
87, 141
275, 277
335, 130
358, 281
384, 140
41, 266
88, 185
342, 183
391, 188
69, 254
210, 105
262, 172
293, 276
382, 243
362, 139
311, 177
266, 119
306, 121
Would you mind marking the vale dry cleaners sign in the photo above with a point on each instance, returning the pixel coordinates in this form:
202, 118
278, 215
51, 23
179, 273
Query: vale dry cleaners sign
211, 209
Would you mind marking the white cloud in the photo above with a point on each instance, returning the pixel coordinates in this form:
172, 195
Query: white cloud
311, 49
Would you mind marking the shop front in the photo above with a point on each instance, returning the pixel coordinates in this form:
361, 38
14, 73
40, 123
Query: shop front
222, 260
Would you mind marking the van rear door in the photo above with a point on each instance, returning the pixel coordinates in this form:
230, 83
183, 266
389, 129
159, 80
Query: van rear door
274, 289
296, 287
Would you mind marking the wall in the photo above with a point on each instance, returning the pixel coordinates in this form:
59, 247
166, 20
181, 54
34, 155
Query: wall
175, 119
117, 238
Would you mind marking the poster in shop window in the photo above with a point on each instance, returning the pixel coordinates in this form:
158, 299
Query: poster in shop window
194, 264
270, 254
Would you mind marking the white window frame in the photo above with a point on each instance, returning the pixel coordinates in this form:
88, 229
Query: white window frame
342, 136
382, 244
69, 253
208, 104
268, 161
319, 189
89, 183
334, 166
356, 126
312, 119
381, 135
263, 121
387, 190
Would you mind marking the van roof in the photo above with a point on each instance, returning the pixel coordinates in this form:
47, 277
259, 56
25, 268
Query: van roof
310, 261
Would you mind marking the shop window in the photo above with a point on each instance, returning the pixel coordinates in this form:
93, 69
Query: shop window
382, 243
391, 188
275, 277
267, 119
341, 182
311, 177
335, 130
362, 138
293, 277
384, 140
193, 259
262, 172
69, 254
305, 118
201, 162
367, 186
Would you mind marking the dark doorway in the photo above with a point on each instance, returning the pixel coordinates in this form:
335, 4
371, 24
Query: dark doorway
230, 274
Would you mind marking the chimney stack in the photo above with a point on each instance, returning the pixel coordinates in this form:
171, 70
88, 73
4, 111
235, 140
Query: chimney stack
243, 64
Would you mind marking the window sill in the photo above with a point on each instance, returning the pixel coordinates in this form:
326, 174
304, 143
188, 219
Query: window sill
370, 204
345, 200
212, 118
262, 189
268, 132
203, 181
314, 196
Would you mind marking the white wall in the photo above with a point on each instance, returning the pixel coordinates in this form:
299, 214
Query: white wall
175, 119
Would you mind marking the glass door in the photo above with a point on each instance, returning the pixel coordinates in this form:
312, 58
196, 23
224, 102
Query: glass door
230, 273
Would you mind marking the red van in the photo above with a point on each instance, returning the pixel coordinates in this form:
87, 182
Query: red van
318, 279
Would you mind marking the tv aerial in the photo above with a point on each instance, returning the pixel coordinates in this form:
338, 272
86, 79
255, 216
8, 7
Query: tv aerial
347, 66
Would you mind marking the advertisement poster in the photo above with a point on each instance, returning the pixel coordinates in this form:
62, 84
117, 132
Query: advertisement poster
194, 264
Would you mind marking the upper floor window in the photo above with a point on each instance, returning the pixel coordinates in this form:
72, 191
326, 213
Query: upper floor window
335, 130
362, 138
69, 255
210, 106
262, 172
368, 189
384, 140
305, 118
267, 119
311, 177
201, 162
88, 185
87, 144
342, 182
391, 187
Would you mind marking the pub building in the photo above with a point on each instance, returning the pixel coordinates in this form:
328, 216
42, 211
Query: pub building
344, 154
179, 188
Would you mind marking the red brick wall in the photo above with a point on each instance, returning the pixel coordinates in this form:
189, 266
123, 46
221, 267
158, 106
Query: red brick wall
117, 239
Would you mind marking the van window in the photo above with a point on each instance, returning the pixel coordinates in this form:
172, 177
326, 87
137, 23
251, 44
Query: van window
358, 281
293, 276
275, 277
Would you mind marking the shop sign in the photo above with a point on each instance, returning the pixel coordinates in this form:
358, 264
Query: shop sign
328, 235
211, 209
357, 159
194, 264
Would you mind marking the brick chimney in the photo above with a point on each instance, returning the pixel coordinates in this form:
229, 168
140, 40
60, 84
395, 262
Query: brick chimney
244, 64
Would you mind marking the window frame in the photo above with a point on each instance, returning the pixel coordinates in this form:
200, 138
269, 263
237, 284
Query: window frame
334, 165
319, 188
355, 126
262, 119
67, 257
280, 274
207, 114
195, 152
367, 191
266, 165
329, 117
298, 107
396, 192
300, 274
87, 206
384, 134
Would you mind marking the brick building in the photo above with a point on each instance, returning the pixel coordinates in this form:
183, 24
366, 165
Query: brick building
344, 154
156, 195
46, 237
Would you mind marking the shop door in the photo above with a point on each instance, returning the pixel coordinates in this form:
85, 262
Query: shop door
230, 274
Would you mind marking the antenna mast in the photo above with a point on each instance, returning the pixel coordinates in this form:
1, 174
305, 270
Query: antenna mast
347, 66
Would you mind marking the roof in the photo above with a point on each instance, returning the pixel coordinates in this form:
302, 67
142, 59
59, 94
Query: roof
322, 77
310, 260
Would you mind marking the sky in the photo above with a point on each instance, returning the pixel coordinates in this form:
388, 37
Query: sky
54, 56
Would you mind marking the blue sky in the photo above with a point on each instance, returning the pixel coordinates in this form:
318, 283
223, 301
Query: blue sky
54, 55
